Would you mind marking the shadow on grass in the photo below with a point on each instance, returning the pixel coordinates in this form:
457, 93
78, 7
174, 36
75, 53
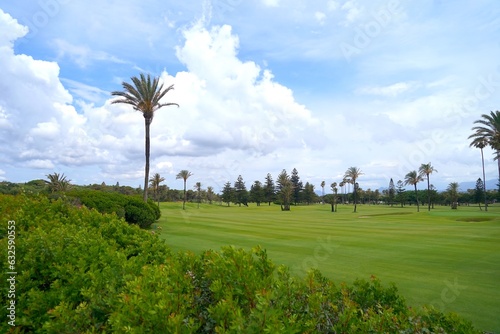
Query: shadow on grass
475, 219
387, 214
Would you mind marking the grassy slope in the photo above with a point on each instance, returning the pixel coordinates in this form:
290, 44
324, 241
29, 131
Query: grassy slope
432, 257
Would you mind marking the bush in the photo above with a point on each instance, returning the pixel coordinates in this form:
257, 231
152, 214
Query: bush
81, 271
132, 208
155, 208
139, 213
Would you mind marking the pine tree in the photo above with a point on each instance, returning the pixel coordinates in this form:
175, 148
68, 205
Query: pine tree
400, 191
309, 195
479, 193
227, 193
297, 186
241, 193
257, 193
285, 190
269, 189
392, 192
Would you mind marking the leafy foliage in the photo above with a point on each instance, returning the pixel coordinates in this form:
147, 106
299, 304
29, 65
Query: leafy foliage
82, 271
134, 210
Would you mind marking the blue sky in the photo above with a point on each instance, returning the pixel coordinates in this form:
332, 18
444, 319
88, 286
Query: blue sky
262, 85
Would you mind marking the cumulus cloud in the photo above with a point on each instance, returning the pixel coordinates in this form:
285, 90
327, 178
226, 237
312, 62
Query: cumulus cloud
226, 105
237, 104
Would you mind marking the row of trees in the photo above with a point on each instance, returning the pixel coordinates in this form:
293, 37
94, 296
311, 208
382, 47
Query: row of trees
267, 192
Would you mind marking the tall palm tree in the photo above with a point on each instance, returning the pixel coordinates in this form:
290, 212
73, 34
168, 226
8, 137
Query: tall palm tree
412, 178
57, 182
184, 174
323, 192
154, 182
334, 198
353, 173
341, 185
197, 187
144, 96
489, 132
481, 143
210, 194
453, 192
427, 170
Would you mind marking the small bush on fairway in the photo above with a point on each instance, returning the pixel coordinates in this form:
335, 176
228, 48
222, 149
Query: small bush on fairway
86, 272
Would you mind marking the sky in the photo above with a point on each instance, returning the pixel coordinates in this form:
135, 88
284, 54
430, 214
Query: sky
262, 86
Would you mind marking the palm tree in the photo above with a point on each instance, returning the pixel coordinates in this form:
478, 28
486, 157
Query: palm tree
341, 185
427, 170
197, 187
210, 194
154, 182
184, 174
334, 199
323, 192
353, 174
488, 133
57, 182
144, 96
453, 192
481, 143
412, 178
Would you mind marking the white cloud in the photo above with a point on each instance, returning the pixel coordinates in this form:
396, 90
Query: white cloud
320, 17
14, 31
39, 164
271, 3
332, 5
226, 105
353, 11
85, 92
83, 55
237, 104
390, 91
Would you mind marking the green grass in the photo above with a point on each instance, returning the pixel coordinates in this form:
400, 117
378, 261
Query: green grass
446, 258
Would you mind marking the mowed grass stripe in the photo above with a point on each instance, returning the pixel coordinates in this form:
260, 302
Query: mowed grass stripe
431, 257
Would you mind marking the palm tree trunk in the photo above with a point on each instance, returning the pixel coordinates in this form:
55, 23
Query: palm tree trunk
498, 161
184, 200
354, 193
147, 123
428, 192
416, 196
484, 182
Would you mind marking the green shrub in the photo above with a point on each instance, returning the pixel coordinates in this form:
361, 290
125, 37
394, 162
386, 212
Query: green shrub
139, 213
132, 208
155, 208
79, 271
